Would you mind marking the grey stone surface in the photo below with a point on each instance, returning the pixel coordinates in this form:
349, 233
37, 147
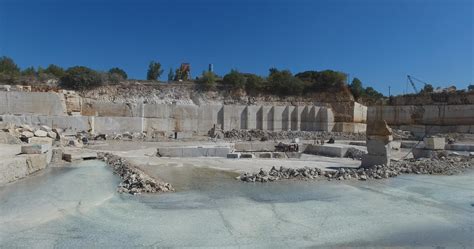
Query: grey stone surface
189, 151
372, 160
35, 148
233, 155
378, 147
40, 133
434, 143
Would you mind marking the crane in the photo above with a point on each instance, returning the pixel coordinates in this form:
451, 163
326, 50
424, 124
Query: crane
411, 78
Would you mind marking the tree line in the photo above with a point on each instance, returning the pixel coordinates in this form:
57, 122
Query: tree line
280, 82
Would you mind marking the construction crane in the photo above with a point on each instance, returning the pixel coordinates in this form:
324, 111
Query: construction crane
411, 78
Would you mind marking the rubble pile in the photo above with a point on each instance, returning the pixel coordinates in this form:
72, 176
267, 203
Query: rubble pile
263, 135
355, 153
134, 181
442, 166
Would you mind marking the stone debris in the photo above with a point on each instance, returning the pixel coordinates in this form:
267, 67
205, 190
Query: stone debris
442, 166
264, 135
134, 181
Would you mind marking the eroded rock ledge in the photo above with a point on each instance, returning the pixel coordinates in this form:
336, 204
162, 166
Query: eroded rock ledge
134, 180
442, 166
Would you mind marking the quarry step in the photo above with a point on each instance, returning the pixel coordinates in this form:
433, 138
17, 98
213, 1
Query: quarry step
74, 156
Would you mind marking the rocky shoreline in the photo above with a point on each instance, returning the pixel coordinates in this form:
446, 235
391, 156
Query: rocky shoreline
134, 180
442, 166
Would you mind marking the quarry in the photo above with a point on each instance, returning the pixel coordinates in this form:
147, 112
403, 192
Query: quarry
234, 162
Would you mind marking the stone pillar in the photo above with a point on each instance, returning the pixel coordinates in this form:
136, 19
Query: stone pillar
379, 136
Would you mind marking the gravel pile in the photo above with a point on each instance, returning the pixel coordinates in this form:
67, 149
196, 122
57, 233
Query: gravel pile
134, 181
278, 135
443, 166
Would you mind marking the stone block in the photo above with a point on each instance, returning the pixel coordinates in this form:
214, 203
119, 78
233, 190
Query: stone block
233, 155
278, 155
264, 155
12, 169
57, 155
378, 147
35, 148
372, 160
423, 153
395, 145
247, 155
435, 143
331, 150
40, 140
460, 147
45, 128
52, 134
75, 156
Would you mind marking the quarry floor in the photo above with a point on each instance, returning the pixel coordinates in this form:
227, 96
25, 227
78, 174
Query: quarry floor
78, 207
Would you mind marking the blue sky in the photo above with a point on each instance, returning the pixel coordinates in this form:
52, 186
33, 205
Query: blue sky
378, 41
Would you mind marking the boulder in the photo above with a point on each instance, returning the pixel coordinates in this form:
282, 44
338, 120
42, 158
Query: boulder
52, 134
40, 133
45, 128
27, 134
40, 140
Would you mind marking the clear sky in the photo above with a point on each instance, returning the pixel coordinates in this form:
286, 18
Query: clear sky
378, 41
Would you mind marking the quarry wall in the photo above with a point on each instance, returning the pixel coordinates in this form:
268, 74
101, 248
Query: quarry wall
426, 119
69, 111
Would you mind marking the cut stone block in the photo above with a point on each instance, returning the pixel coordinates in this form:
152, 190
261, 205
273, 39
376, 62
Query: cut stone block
278, 155
378, 147
35, 148
233, 155
247, 155
423, 153
435, 143
460, 147
71, 156
52, 134
331, 150
395, 145
372, 160
264, 155
40, 140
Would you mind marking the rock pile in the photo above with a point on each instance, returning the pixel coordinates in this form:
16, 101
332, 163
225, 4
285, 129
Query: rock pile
134, 181
278, 135
443, 166
24, 133
355, 153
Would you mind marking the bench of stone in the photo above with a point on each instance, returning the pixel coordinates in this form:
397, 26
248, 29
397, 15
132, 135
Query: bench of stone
194, 151
331, 150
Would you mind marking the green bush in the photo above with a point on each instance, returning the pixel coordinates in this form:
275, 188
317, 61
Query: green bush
115, 71
254, 83
81, 78
207, 80
55, 71
235, 79
29, 71
8, 66
284, 83
323, 80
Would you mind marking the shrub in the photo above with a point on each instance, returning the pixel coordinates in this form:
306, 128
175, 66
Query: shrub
29, 71
323, 80
115, 71
207, 80
81, 78
284, 83
55, 71
235, 79
356, 88
254, 83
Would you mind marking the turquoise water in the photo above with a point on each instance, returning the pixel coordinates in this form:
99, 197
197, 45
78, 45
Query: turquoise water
78, 207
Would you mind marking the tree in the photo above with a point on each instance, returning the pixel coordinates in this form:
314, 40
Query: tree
253, 83
428, 88
55, 71
323, 80
356, 88
119, 72
284, 83
154, 71
81, 78
207, 79
370, 92
170, 75
470, 88
29, 71
8, 66
235, 79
